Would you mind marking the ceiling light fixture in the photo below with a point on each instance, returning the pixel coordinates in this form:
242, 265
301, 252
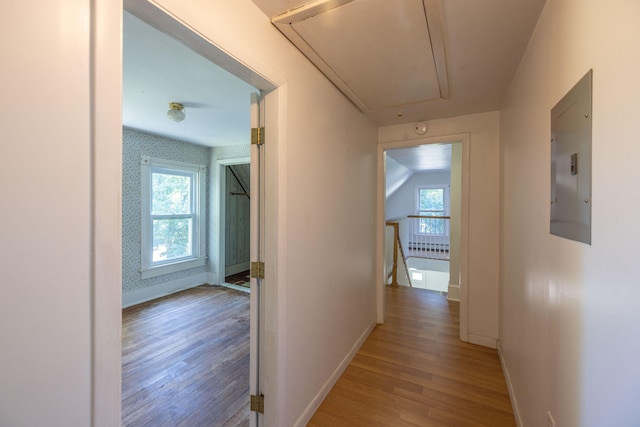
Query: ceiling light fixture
175, 112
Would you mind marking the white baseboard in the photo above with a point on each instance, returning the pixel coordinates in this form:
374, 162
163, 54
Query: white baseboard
138, 296
237, 268
328, 385
507, 378
454, 292
212, 278
482, 340
236, 287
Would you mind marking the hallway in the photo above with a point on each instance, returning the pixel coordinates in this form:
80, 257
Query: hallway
414, 371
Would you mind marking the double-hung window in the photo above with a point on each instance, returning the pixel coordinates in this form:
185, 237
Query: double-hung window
432, 201
172, 216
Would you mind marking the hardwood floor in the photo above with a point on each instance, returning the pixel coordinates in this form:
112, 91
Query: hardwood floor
241, 279
414, 371
185, 360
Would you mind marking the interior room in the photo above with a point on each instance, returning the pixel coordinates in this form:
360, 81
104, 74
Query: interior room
544, 329
185, 235
421, 203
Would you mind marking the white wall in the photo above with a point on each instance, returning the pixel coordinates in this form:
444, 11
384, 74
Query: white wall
456, 222
484, 177
569, 317
403, 201
395, 175
45, 218
324, 166
59, 209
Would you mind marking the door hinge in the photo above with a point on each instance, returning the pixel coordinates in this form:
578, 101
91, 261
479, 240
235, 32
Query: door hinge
257, 403
256, 270
257, 136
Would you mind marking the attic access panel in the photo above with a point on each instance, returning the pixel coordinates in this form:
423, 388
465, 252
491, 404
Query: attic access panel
571, 163
379, 53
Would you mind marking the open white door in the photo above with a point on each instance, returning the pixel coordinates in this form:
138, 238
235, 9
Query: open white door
257, 259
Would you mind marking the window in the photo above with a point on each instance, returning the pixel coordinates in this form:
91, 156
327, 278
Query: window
433, 201
172, 216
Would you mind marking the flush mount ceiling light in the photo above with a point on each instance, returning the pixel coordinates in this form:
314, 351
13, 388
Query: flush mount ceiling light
175, 112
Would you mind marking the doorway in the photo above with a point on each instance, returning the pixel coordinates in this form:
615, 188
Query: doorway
235, 223
207, 273
459, 179
422, 200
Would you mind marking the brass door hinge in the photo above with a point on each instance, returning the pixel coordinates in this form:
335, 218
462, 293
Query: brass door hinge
257, 136
256, 270
257, 403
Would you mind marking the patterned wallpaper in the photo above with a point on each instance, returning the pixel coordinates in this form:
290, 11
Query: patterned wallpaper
136, 144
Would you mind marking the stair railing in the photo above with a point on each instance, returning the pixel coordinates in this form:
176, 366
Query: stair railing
429, 236
398, 254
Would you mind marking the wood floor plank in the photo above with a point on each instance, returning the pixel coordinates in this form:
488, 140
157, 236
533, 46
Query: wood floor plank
413, 370
186, 360
183, 366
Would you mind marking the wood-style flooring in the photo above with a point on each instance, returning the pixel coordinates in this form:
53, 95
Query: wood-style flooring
185, 360
414, 371
239, 279
186, 363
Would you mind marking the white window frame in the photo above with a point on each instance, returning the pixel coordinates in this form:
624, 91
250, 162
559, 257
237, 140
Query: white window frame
149, 268
446, 211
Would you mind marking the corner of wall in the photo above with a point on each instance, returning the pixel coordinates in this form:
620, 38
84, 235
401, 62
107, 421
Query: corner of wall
328, 385
507, 377
453, 293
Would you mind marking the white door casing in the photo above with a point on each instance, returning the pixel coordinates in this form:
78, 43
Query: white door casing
464, 139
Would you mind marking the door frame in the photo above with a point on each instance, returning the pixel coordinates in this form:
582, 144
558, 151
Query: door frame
464, 139
219, 264
106, 161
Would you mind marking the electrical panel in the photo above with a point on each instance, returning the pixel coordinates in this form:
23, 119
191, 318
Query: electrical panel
571, 163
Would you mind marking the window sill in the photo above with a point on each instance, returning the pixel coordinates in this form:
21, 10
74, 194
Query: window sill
171, 268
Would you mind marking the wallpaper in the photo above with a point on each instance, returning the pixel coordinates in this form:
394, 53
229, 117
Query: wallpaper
136, 144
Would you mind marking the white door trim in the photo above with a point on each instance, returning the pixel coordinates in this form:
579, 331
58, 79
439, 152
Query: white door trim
106, 102
464, 139
220, 261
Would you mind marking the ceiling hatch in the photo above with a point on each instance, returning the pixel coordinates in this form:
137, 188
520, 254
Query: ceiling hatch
379, 53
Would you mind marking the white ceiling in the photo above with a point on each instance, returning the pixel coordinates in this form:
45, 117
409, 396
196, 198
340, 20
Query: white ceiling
158, 69
402, 163
362, 46
483, 42
430, 157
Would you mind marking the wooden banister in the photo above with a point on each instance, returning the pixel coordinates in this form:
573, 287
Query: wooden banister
397, 245
394, 270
